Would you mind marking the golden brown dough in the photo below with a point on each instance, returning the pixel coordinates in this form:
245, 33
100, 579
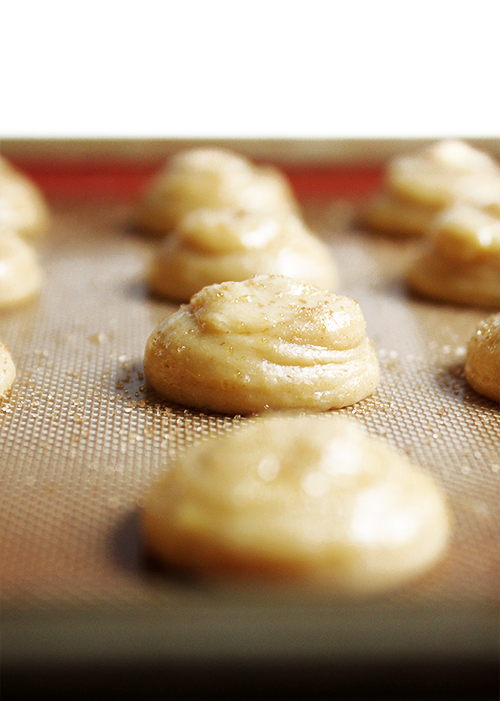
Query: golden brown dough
266, 342
298, 499
7, 370
482, 365
212, 246
418, 186
23, 208
21, 275
460, 261
214, 178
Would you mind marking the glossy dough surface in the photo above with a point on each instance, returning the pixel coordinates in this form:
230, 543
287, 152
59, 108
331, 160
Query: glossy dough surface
23, 208
446, 172
482, 365
460, 261
213, 178
417, 186
302, 499
212, 246
267, 342
7, 369
21, 275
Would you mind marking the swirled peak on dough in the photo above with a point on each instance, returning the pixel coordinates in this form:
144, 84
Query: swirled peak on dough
20, 272
211, 246
445, 172
417, 186
214, 178
298, 498
7, 370
266, 342
460, 261
23, 208
482, 364
467, 234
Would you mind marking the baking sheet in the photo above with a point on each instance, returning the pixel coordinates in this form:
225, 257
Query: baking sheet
82, 437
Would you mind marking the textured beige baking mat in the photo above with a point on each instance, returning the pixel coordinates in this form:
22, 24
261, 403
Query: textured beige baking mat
82, 437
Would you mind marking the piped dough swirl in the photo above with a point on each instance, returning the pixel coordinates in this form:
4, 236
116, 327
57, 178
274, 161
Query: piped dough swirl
482, 365
211, 246
446, 172
210, 177
266, 342
303, 499
460, 260
418, 186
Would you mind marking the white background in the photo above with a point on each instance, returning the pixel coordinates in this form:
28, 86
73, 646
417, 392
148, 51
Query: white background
356, 68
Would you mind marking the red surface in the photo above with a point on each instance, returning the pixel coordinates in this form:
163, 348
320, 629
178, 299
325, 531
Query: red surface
127, 180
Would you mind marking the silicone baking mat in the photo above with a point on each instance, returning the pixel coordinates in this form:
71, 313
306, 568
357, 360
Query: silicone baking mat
82, 437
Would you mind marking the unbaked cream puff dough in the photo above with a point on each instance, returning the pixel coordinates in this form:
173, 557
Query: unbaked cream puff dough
417, 186
215, 178
7, 370
460, 260
304, 499
21, 275
212, 246
266, 342
23, 208
394, 216
482, 365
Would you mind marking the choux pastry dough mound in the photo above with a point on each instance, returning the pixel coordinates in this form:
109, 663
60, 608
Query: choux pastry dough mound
388, 214
21, 275
299, 499
214, 178
212, 246
266, 342
418, 186
482, 363
445, 172
460, 261
23, 207
7, 370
